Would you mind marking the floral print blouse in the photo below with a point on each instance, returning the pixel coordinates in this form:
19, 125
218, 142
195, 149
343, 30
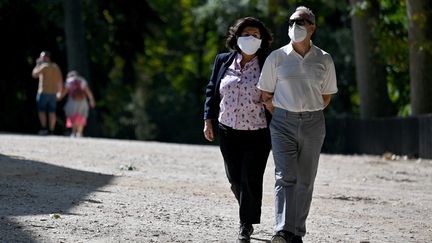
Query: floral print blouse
240, 106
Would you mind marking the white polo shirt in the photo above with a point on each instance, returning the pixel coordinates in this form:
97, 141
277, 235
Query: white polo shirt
297, 82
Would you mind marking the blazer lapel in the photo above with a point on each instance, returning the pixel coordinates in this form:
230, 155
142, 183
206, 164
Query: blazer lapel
225, 64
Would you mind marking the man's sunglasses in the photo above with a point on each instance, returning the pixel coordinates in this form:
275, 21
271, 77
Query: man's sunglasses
300, 22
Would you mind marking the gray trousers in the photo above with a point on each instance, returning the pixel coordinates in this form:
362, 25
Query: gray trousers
297, 139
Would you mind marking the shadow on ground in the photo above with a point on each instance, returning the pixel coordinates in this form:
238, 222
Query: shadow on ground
30, 187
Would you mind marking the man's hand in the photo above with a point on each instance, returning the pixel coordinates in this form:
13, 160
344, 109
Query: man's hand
326, 100
267, 100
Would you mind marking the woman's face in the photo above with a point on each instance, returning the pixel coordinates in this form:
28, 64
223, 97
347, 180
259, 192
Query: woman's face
251, 31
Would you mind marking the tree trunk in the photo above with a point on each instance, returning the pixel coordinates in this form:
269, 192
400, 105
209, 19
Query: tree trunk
75, 37
76, 49
370, 72
420, 44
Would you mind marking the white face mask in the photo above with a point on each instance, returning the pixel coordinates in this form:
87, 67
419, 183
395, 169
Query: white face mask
249, 44
297, 33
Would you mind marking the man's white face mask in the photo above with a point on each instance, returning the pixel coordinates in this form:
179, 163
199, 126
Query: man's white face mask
297, 33
249, 44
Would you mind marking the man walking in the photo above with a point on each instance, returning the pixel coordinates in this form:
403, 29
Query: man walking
297, 81
50, 87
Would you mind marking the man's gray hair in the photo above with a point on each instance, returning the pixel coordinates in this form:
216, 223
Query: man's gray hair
310, 14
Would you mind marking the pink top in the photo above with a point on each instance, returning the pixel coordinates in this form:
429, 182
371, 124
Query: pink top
240, 106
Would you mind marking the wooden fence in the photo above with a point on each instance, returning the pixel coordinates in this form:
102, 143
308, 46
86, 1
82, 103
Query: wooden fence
411, 136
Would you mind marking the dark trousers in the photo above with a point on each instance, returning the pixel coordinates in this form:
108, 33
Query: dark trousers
245, 155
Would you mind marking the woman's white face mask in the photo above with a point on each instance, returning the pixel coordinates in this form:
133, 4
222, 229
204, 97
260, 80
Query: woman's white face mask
249, 44
297, 33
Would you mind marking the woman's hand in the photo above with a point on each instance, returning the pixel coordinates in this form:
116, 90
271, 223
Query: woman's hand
92, 103
208, 130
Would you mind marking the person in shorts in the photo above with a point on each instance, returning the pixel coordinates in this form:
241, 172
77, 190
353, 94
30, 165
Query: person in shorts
50, 86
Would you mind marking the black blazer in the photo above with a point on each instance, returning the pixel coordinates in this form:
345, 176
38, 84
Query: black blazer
221, 63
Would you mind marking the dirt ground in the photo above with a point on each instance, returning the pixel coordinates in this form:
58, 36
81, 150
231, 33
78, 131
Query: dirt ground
60, 189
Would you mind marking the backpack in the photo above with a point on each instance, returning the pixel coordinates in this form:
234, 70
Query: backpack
76, 89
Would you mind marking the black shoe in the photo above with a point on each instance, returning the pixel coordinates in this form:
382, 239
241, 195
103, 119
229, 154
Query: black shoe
43, 132
246, 231
297, 239
282, 237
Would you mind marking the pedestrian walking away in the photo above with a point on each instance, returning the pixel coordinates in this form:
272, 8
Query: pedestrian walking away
50, 85
297, 82
80, 99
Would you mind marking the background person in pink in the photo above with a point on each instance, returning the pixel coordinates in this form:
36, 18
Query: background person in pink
77, 105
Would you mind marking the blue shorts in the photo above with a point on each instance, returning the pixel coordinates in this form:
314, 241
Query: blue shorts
46, 102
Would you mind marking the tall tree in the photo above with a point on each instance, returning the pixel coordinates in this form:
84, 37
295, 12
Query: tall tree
76, 48
420, 42
370, 70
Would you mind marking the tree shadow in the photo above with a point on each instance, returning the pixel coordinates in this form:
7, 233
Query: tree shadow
29, 187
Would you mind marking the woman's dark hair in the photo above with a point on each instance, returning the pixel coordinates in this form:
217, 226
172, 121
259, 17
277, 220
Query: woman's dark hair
238, 27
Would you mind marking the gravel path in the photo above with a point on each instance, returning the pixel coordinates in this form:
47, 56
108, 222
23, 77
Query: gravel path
59, 189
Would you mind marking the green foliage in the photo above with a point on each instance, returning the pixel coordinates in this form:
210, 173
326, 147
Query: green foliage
151, 60
166, 100
391, 31
223, 16
114, 105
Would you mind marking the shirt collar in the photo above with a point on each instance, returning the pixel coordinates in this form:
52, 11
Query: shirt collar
289, 48
239, 57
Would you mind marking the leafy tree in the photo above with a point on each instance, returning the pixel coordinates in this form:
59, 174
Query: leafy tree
370, 69
166, 103
149, 61
116, 33
391, 31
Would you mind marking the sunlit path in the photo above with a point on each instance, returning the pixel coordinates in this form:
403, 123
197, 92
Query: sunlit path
58, 189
